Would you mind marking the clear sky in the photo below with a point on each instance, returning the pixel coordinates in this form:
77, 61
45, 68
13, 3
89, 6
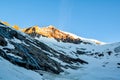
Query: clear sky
97, 19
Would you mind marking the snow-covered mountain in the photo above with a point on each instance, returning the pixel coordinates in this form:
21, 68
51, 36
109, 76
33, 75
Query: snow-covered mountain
52, 32
53, 54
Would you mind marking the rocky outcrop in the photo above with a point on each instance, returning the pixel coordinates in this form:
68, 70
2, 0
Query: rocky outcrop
51, 32
3, 42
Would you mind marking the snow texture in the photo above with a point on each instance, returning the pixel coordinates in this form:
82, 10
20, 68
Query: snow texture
8, 71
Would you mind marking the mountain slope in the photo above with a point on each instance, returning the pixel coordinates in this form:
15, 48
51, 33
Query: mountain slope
102, 59
68, 60
22, 50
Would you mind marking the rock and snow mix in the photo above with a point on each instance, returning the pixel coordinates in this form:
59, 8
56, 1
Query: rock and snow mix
8, 71
100, 67
46, 56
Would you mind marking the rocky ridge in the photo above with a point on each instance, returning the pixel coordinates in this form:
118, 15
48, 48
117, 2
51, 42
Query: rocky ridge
51, 32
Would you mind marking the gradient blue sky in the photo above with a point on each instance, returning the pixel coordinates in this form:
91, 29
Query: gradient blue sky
97, 19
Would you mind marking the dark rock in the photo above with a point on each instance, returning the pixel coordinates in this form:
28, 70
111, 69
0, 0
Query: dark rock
118, 63
109, 53
80, 52
117, 49
100, 55
13, 33
97, 53
2, 41
70, 60
35, 56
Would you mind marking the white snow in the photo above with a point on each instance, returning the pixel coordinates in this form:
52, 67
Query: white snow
8, 71
16, 40
25, 43
85, 39
10, 46
14, 55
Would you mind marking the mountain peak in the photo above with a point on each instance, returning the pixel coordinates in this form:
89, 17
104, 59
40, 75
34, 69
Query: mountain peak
51, 32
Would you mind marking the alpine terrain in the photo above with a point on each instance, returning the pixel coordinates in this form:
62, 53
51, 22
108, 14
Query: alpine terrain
47, 53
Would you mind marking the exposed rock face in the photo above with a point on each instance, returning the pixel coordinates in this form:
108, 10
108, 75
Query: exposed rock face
51, 32
22, 50
2, 41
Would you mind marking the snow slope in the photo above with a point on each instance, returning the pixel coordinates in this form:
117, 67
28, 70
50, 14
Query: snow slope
8, 71
100, 67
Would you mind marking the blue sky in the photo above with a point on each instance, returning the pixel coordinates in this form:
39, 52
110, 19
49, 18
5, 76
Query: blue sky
97, 19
